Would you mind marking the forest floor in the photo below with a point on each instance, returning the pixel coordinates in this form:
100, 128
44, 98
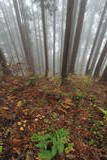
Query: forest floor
41, 105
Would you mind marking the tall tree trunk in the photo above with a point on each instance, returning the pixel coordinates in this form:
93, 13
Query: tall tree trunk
78, 34
45, 38
69, 22
36, 39
88, 38
104, 76
40, 43
18, 37
24, 36
54, 38
16, 28
62, 35
98, 45
26, 31
73, 31
11, 36
100, 61
96, 39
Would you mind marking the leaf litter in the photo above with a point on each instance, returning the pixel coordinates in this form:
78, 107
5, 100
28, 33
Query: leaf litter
44, 106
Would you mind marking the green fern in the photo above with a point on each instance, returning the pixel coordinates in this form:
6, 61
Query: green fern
45, 155
51, 144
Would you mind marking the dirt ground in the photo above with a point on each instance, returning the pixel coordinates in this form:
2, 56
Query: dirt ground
36, 104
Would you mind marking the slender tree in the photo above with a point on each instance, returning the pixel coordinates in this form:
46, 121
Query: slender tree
96, 39
45, 37
104, 75
62, 35
11, 36
54, 37
73, 31
16, 28
40, 42
88, 38
100, 40
70, 7
24, 35
36, 40
18, 36
78, 34
100, 61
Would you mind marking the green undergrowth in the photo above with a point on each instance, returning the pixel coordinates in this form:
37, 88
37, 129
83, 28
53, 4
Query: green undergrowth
53, 143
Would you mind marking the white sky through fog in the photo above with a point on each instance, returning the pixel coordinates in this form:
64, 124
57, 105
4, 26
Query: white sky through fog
28, 2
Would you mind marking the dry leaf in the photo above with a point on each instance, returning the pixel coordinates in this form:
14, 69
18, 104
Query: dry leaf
65, 106
21, 129
62, 110
68, 101
19, 123
19, 104
16, 141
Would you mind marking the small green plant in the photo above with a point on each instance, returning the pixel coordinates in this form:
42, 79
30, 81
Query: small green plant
93, 98
97, 127
96, 130
14, 89
31, 81
92, 142
79, 96
104, 112
1, 149
69, 148
51, 144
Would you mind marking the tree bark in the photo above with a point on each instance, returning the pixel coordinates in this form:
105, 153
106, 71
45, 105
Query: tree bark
54, 38
95, 40
40, 43
104, 76
88, 38
39, 67
70, 7
78, 34
45, 38
24, 36
98, 45
11, 36
62, 35
100, 61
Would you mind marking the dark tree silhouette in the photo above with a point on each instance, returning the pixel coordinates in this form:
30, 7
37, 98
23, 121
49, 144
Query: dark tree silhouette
100, 61
70, 7
3, 64
78, 34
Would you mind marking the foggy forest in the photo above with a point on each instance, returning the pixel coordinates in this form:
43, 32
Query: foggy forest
53, 80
